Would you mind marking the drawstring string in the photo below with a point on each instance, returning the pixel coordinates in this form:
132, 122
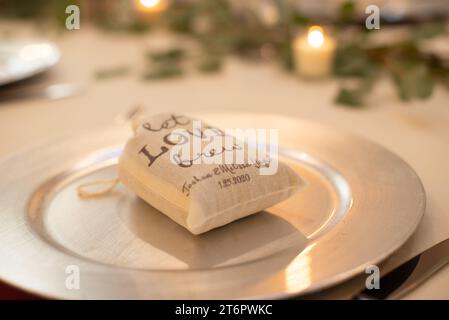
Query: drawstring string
83, 189
133, 116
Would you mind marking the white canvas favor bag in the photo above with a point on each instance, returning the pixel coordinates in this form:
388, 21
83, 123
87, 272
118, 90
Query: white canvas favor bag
172, 164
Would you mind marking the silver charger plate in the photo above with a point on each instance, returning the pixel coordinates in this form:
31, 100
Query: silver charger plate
25, 58
361, 203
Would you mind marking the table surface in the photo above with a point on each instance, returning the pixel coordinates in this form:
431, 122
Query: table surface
416, 131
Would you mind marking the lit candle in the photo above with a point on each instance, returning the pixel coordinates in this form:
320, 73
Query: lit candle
151, 7
314, 53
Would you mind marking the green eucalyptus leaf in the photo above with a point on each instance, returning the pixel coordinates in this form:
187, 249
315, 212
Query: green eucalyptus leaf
354, 97
353, 61
222, 43
350, 97
163, 72
210, 64
286, 57
23, 9
180, 18
428, 30
415, 82
112, 72
347, 11
299, 19
137, 27
173, 55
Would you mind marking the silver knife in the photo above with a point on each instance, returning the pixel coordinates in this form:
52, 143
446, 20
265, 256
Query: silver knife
410, 274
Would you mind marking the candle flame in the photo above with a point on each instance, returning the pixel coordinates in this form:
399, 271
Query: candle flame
149, 3
315, 36
151, 6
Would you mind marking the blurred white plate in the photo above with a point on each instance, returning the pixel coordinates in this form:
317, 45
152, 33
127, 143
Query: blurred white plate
361, 203
23, 59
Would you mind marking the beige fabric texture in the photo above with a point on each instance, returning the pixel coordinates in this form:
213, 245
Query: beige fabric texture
199, 196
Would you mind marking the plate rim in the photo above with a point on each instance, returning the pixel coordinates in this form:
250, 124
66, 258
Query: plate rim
312, 288
31, 73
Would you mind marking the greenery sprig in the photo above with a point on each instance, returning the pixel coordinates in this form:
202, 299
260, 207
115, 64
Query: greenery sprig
221, 30
413, 72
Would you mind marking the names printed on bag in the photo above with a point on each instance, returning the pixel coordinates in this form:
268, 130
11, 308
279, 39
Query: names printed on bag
225, 169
